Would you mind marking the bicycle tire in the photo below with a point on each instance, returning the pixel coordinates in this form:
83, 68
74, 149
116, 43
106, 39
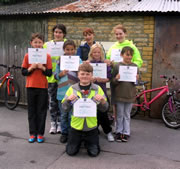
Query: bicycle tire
135, 109
12, 98
171, 119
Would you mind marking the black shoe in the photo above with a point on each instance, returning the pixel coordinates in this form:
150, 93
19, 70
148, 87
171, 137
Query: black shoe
118, 137
63, 138
93, 151
125, 138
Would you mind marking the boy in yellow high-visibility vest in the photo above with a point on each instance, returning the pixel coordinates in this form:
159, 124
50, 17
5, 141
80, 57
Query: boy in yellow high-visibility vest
84, 128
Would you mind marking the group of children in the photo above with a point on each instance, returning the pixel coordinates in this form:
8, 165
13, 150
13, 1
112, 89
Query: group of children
66, 87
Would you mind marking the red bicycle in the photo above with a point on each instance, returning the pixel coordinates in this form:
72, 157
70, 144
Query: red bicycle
12, 90
171, 109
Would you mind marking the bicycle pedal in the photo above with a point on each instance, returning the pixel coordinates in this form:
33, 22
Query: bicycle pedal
146, 107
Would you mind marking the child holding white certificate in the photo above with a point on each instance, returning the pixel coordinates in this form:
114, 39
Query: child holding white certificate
125, 93
96, 55
65, 80
55, 49
37, 94
84, 123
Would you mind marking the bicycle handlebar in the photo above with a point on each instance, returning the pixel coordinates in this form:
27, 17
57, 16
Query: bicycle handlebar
166, 77
10, 66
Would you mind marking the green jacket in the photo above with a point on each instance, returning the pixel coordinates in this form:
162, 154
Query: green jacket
136, 56
84, 123
54, 59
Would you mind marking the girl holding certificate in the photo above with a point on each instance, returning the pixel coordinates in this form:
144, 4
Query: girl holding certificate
55, 49
37, 94
96, 56
115, 50
65, 79
125, 93
114, 54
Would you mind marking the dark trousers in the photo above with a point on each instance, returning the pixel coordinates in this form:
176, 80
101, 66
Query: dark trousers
37, 110
90, 138
53, 102
103, 120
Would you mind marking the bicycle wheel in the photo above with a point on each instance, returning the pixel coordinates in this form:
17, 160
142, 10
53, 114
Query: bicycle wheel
12, 94
171, 119
135, 109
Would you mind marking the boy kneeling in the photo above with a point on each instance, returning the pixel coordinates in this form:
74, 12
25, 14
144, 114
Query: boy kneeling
83, 125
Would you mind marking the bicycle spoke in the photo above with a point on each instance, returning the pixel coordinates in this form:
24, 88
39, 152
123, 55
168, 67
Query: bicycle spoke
171, 118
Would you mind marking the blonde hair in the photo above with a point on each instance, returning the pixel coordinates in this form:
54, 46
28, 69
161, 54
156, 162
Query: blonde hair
96, 45
120, 27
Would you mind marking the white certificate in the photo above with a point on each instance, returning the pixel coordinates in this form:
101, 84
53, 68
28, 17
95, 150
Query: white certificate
70, 63
128, 73
99, 70
84, 107
37, 55
116, 55
55, 48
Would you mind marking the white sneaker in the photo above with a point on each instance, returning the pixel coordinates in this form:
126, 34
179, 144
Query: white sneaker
53, 128
58, 127
110, 137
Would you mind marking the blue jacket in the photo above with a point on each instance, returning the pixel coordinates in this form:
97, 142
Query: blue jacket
83, 51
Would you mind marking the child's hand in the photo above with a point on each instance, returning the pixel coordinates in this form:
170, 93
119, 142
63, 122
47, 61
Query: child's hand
112, 63
104, 80
41, 66
108, 62
87, 61
32, 67
93, 79
100, 99
63, 73
117, 77
72, 97
137, 77
98, 79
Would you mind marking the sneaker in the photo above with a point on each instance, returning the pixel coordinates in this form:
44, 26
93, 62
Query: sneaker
125, 138
53, 128
118, 137
58, 128
110, 137
40, 139
63, 138
32, 139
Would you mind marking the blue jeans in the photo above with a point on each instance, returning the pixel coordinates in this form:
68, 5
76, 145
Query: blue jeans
65, 119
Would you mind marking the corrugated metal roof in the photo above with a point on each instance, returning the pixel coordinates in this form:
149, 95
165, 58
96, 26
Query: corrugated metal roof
119, 6
31, 7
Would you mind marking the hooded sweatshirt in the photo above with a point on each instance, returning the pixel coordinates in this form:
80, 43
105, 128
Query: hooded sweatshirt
136, 56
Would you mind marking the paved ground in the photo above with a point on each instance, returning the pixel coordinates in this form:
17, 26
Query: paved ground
151, 146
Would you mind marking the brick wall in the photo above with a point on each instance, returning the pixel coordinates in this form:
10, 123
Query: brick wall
140, 30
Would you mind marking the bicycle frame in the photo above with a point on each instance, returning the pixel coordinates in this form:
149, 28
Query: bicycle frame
12, 90
4, 78
145, 104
